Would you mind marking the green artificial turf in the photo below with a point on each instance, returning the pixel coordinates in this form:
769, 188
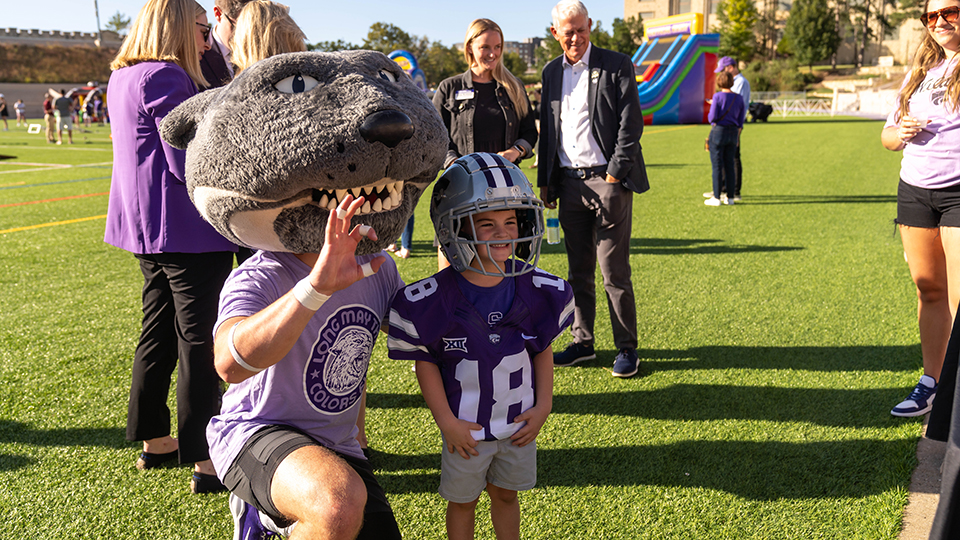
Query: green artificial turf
775, 336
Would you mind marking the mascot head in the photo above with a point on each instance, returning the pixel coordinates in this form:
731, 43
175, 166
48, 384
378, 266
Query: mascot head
273, 152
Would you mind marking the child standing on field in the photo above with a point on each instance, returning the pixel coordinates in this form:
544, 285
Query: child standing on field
480, 332
19, 107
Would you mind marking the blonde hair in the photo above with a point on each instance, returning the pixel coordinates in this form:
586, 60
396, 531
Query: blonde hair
165, 31
500, 73
264, 29
929, 55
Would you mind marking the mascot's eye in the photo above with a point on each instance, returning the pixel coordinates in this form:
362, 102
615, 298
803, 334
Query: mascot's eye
386, 75
296, 84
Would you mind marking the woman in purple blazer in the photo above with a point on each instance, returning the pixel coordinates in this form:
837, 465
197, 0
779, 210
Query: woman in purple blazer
184, 261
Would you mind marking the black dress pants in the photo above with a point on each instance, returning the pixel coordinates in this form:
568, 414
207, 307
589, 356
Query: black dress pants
181, 292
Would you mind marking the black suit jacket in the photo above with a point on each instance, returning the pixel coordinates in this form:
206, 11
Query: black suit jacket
214, 67
615, 119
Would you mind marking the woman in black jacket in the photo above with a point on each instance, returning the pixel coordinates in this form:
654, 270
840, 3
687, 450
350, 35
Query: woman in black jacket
486, 108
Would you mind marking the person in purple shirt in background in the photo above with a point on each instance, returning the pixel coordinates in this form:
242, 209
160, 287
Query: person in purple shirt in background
184, 261
727, 113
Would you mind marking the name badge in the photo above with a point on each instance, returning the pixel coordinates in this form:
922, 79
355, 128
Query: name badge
464, 94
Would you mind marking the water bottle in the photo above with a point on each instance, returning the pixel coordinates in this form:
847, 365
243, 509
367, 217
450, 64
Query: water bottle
553, 226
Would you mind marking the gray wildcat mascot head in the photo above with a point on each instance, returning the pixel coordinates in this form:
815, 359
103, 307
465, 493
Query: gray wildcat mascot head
270, 154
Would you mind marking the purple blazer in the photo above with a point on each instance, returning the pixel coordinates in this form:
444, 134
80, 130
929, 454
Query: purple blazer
149, 209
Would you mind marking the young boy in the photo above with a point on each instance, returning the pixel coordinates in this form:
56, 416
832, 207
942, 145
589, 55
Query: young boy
480, 333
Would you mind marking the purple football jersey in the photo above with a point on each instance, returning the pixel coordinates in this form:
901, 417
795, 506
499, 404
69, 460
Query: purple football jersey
487, 369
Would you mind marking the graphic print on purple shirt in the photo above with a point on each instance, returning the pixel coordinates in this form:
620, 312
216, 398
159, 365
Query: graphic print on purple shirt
487, 371
333, 377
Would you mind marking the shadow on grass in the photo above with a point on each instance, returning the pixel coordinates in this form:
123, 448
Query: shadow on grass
763, 471
696, 246
18, 432
820, 199
852, 358
862, 408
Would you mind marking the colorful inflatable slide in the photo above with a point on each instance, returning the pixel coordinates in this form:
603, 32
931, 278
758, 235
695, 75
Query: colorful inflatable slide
674, 69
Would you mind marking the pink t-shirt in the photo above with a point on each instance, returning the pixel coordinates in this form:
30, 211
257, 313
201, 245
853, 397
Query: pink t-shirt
931, 160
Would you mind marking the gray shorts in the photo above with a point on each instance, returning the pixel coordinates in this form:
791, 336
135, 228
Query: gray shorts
500, 463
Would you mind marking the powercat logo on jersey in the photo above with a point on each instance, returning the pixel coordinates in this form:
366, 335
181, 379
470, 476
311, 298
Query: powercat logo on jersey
455, 344
333, 378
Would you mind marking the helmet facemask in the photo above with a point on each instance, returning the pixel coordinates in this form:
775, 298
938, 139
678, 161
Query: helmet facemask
479, 183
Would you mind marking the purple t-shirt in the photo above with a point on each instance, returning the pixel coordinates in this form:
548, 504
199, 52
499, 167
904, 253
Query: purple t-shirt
318, 384
487, 369
931, 160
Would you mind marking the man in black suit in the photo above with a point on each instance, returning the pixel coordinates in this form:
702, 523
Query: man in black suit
590, 159
215, 63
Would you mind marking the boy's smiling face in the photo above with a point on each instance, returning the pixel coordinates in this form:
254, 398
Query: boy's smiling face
490, 227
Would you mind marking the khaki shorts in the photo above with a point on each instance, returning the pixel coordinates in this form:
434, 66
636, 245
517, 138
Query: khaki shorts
500, 463
64, 123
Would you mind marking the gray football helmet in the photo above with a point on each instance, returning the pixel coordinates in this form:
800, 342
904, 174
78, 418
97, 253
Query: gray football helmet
477, 183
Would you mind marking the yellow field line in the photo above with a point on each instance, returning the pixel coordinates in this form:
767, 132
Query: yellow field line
67, 222
670, 129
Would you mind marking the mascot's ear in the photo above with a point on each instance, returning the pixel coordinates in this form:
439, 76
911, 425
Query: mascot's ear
180, 126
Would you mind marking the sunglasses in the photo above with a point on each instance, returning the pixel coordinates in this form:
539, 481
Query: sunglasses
949, 14
206, 30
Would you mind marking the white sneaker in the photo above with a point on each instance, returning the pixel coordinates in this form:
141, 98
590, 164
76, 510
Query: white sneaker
737, 198
712, 201
708, 194
727, 201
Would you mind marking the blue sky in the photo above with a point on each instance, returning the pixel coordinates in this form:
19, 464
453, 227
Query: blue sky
324, 20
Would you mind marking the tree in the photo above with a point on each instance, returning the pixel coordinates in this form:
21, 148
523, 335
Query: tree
549, 49
737, 21
627, 35
118, 23
332, 46
386, 38
811, 31
440, 62
514, 63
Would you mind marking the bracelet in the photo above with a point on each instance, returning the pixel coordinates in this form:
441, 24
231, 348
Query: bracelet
236, 354
308, 297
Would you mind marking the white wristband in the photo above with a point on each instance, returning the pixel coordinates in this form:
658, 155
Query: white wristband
236, 355
308, 297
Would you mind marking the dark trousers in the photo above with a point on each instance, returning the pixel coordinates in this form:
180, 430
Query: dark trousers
723, 150
181, 292
597, 218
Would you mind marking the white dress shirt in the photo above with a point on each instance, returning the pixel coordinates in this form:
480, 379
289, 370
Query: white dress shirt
224, 51
578, 147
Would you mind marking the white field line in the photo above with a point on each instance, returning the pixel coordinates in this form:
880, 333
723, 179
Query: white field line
49, 166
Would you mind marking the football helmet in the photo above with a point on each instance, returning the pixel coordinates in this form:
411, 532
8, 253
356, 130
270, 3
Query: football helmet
482, 182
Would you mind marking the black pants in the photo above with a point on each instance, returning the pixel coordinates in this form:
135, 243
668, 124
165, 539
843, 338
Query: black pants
181, 292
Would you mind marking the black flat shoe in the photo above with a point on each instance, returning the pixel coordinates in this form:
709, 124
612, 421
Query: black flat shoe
205, 483
152, 461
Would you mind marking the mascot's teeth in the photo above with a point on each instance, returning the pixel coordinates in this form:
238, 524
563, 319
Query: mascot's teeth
378, 198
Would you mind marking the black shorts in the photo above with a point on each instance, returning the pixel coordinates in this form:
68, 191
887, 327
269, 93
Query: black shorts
928, 208
251, 475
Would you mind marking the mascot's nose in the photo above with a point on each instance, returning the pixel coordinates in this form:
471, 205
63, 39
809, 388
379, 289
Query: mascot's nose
389, 127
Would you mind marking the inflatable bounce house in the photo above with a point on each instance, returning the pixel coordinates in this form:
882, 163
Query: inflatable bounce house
410, 66
675, 70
